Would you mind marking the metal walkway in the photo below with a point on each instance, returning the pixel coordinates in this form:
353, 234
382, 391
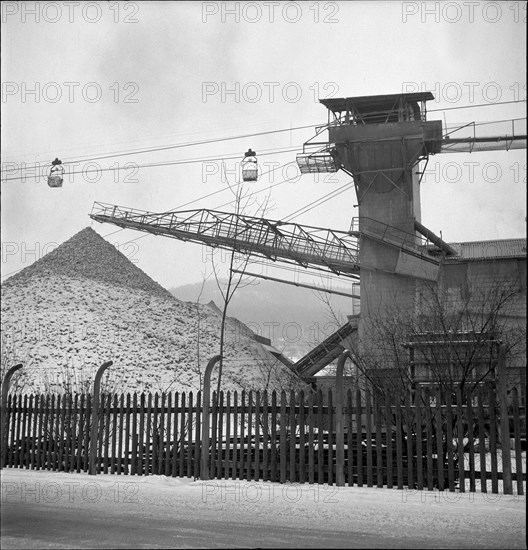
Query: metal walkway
331, 250
323, 354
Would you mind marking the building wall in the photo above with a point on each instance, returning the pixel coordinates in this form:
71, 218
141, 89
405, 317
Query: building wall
481, 281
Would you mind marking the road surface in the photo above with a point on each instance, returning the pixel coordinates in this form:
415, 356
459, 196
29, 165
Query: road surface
59, 510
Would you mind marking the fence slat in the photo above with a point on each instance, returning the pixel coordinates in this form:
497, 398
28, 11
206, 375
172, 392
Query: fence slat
42, 457
189, 434
429, 440
439, 434
311, 428
176, 447
493, 441
265, 437
220, 439
273, 450
257, 436
388, 428
107, 405
57, 439
79, 432
72, 432
449, 443
368, 427
39, 432
17, 409
293, 440
35, 440
379, 455
54, 430
134, 436
409, 433
471, 444
88, 416
162, 435
24, 437
419, 433
65, 432
249, 446
197, 435
116, 433
227, 453
302, 458
241, 439
10, 430
68, 425
282, 445
517, 435
359, 439
167, 462
330, 439
147, 451
140, 469
214, 433
350, 439
124, 415
153, 435
482, 441
234, 465
399, 443
182, 435
460, 442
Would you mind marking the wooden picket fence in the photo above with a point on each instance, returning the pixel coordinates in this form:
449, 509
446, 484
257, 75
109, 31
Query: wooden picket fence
417, 441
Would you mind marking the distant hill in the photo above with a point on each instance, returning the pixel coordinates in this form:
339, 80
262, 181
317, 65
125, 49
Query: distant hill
85, 303
294, 318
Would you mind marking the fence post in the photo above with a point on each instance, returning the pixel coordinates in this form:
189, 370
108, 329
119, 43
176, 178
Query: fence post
95, 418
504, 422
4, 419
204, 466
340, 432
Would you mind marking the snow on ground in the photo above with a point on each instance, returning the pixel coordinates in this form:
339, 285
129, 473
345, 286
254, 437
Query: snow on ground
429, 519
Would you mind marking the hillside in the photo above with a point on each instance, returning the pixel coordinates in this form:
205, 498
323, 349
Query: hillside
294, 319
85, 303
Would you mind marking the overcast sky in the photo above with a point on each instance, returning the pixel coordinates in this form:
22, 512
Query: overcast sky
87, 80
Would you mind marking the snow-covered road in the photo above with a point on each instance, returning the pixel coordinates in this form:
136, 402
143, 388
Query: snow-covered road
60, 510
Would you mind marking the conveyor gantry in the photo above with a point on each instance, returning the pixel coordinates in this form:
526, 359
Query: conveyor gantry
315, 247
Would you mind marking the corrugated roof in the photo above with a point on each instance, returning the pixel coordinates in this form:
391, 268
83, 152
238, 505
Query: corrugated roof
373, 102
480, 250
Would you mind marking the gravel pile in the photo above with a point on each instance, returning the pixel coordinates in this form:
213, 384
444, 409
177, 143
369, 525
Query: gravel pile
87, 255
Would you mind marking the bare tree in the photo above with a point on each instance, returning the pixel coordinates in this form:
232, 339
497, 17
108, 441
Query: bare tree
236, 278
450, 340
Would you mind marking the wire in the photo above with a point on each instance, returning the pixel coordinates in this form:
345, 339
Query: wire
206, 196
185, 144
479, 105
243, 136
128, 166
265, 188
319, 201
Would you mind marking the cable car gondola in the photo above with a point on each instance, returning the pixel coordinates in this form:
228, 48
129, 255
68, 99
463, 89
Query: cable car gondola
56, 174
249, 166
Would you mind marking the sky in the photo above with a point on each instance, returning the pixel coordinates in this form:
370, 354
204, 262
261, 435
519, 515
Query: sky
84, 81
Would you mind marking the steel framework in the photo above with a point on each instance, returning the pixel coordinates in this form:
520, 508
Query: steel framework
336, 251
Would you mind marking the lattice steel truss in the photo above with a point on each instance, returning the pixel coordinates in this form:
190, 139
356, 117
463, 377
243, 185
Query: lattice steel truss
327, 249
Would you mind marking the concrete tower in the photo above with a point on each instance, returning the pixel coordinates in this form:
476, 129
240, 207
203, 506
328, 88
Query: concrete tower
379, 140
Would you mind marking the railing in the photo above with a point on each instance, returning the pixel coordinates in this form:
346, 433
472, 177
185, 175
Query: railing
412, 242
336, 250
487, 136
